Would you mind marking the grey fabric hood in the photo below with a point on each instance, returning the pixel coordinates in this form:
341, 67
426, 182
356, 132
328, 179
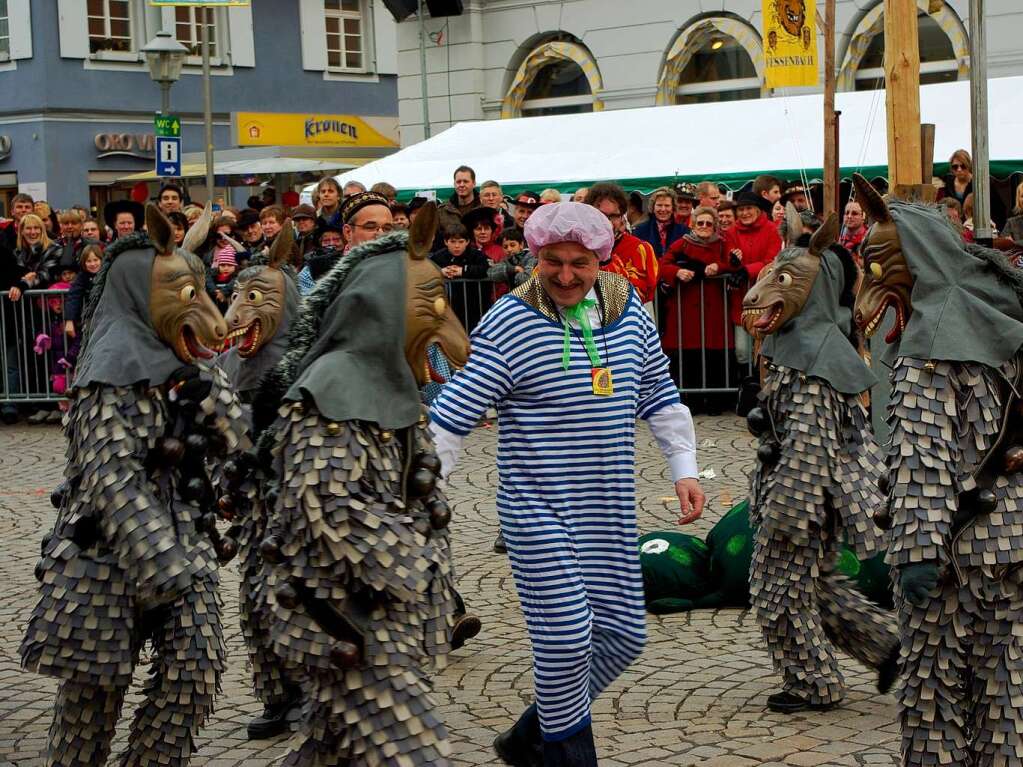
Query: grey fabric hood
816, 340
964, 309
121, 346
352, 327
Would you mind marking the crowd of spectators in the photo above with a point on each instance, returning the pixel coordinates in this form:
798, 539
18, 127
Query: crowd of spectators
689, 250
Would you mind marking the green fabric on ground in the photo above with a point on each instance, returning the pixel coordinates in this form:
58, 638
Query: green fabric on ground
681, 572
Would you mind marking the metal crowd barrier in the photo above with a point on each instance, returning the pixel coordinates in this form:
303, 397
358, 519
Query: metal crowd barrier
700, 370
29, 376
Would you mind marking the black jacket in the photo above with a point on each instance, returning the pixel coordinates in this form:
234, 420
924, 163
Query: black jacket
471, 295
74, 302
45, 262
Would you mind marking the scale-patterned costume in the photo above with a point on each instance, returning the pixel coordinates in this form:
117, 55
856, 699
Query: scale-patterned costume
962, 691
259, 318
359, 581
955, 505
815, 486
130, 560
821, 493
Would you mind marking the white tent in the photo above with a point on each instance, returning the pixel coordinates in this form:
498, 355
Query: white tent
730, 142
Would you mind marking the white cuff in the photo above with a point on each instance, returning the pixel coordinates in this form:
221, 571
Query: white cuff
683, 466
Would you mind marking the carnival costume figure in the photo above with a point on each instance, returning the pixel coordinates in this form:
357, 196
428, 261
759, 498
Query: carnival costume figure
359, 586
815, 483
955, 492
134, 553
261, 314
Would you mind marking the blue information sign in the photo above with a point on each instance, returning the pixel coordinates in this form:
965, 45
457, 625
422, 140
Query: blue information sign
168, 156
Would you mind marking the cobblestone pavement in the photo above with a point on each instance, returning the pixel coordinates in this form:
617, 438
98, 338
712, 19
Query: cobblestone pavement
696, 697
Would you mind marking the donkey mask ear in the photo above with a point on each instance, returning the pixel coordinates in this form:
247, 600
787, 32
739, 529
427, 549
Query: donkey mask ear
793, 225
872, 202
161, 234
196, 234
825, 236
422, 231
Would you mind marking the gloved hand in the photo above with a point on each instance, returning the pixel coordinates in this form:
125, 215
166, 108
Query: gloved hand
917, 581
186, 384
738, 279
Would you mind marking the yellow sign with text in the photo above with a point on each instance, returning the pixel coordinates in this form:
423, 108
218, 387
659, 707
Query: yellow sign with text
281, 129
790, 43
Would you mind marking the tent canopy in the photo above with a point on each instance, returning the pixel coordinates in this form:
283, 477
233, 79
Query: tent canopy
728, 142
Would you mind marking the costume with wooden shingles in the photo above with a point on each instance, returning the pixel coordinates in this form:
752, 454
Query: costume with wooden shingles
360, 588
130, 559
815, 484
956, 499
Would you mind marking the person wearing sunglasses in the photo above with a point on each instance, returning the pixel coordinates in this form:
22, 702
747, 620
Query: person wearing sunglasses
959, 182
698, 334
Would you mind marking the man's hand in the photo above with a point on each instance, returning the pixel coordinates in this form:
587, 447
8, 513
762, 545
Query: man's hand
690, 498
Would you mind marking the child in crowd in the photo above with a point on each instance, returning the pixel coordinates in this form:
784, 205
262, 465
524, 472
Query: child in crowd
459, 261
90, 260
220, 281
61, 345
518, 263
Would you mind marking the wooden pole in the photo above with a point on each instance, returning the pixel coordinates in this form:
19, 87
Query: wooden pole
902, 95
830, 117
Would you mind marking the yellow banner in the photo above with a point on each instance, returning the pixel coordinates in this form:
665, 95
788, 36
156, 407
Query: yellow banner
790, 43
309, 129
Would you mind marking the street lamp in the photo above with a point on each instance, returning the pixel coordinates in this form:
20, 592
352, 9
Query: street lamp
165, 57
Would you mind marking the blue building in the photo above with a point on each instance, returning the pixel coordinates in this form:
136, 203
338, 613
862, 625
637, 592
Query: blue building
77, 102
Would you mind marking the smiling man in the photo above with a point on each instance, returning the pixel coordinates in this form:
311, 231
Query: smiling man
570, 359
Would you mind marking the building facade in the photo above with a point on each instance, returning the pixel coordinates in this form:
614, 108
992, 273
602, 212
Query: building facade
77, 102
511, 58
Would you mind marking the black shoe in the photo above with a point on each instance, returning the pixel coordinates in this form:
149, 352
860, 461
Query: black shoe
10, 416
275, 720
522, 745
499, 545
789, 703
466, 627
574, 751
888, 671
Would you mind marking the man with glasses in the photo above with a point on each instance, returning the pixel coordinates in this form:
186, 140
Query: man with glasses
630, 257
366, 216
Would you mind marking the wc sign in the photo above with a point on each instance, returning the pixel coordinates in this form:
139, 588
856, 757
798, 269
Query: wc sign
168, 145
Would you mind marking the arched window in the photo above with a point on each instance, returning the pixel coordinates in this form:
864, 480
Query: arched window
715, 59
944, 49
556, 77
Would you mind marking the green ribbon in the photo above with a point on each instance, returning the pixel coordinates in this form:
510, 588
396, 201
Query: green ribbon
578, 313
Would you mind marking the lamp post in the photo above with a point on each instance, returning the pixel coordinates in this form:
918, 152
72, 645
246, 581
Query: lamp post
165, 57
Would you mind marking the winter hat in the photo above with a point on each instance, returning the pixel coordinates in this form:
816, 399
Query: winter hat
570, 222
225, 254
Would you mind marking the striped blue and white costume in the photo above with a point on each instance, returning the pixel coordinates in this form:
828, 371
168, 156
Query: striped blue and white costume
566, 498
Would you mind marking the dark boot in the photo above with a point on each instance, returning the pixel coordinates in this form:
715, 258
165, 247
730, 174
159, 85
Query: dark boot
466, 627
789, 703
522, 745
574, 751
499, 544
276, 718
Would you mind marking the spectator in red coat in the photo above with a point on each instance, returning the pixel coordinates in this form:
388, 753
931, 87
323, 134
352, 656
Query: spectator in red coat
631, 257
482, 225
752, 244
699, 350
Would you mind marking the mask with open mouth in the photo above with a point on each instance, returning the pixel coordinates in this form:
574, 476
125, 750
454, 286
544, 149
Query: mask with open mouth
183, 315
887, 280
148, 311
782, 288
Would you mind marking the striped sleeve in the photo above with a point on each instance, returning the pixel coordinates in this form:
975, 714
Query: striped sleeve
656, 389
484, 381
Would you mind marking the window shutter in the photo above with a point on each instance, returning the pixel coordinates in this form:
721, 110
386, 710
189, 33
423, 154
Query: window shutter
385, 39
73, 25
314, 35
19, 19
239, 32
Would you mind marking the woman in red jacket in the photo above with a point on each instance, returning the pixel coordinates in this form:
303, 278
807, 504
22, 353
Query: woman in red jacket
698, 332
752, 244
